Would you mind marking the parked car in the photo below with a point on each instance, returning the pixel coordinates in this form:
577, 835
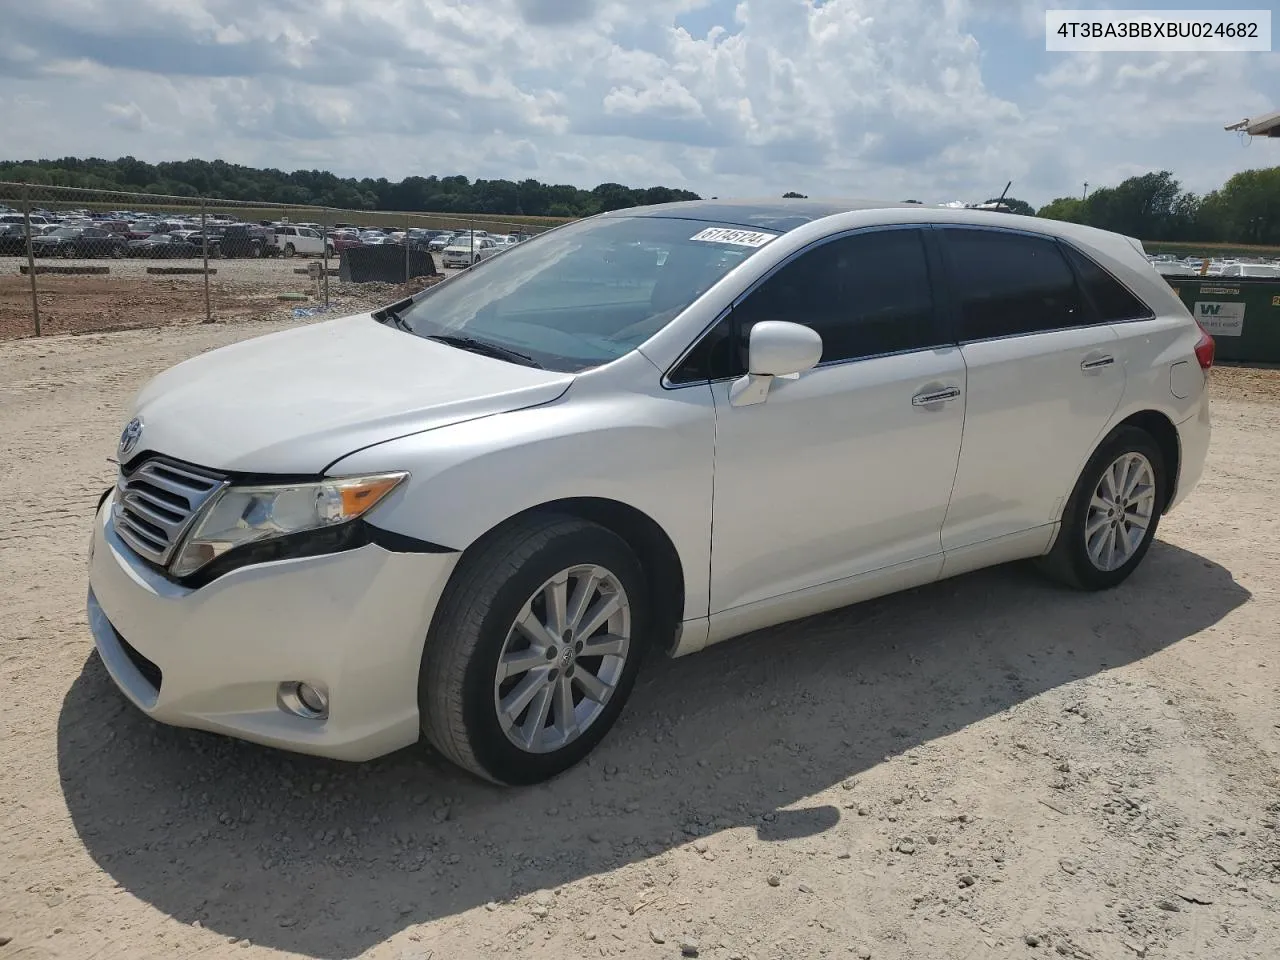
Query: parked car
437, 244
1256, 270
248, 240
166, 246
97, 242
140, 230
465, 252
197, 238
294, 240
13, 239
468, 515
59, 242
344, 239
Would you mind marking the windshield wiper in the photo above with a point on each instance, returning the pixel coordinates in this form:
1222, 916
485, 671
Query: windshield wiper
485, 348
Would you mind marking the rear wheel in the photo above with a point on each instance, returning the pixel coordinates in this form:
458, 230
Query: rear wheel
117, 252
68, 252
534, 649
288, 250
1113, 513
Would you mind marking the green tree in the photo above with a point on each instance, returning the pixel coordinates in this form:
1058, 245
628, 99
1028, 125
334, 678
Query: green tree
1070, 209
1014, 205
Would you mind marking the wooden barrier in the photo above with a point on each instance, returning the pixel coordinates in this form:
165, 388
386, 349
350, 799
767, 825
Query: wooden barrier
75, 271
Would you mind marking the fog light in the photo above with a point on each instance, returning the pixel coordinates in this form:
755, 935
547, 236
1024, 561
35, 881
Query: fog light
304, 699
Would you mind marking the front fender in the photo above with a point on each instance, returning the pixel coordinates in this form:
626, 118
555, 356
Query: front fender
654, 453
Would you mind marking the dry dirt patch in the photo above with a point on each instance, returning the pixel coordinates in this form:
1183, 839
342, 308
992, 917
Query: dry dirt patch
987, 767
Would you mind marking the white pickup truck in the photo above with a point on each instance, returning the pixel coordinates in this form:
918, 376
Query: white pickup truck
292, 240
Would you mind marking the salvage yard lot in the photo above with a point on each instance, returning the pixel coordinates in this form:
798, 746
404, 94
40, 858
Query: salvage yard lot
129, 298
986, 767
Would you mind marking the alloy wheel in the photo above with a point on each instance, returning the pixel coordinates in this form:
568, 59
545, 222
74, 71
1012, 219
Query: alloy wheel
1120, 511
562, 659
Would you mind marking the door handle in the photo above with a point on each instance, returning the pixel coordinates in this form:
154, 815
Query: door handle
1088, 366
935, 396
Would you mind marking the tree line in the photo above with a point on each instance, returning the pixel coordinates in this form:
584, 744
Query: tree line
229, 181
1246, 209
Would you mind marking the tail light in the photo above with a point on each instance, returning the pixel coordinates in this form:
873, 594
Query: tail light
1204, 349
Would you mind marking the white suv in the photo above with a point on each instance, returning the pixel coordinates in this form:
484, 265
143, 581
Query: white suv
468, 515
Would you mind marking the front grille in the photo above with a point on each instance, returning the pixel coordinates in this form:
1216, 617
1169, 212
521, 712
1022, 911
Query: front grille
156, 504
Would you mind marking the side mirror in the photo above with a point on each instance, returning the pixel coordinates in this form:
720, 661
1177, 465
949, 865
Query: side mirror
776, 349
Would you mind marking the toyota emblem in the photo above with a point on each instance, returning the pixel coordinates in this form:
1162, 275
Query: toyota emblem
129, 438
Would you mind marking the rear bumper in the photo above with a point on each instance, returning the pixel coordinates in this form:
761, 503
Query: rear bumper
1193, 446
213, 658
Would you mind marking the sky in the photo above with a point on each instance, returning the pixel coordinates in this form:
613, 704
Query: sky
931, 100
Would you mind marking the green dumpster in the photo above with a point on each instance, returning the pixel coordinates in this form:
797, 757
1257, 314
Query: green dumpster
1242, 314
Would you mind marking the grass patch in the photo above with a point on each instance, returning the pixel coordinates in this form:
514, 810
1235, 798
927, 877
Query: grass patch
1210, 249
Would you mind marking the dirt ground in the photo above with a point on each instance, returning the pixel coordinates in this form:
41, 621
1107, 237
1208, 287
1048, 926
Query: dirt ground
986, 767
129, 298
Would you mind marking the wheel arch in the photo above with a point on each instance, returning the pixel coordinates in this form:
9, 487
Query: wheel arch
653, 547
1165, 434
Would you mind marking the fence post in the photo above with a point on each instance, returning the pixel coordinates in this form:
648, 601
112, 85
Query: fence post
471, 232
31, 258
324, 231
204, 244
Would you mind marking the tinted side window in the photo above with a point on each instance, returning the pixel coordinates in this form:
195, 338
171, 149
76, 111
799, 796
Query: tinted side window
1007, 284
713, 357
865, 295
1110, 297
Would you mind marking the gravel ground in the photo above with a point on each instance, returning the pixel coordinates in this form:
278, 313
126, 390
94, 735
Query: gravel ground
987, 767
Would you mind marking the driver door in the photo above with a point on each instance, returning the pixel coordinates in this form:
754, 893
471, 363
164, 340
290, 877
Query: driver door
847, 469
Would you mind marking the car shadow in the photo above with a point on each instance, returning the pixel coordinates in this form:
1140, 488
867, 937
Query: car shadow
327, 859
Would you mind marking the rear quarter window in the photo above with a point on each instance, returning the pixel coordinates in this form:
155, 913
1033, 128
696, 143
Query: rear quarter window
1112, 300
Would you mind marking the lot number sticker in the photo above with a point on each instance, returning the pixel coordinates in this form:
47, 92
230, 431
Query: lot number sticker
1220, 319
741, 238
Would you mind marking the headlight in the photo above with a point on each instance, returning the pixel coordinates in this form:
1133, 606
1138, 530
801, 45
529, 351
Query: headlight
242, 515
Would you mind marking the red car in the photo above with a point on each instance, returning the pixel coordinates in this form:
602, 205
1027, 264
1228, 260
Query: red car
340, 240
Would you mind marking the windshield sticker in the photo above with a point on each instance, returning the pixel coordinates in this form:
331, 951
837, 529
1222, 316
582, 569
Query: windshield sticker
741, 238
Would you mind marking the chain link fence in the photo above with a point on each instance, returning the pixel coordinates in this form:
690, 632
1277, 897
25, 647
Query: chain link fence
74, 260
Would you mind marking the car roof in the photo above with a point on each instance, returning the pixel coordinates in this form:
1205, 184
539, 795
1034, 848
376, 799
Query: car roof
780, 215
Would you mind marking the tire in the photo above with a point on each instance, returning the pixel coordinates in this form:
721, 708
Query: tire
289, 251
255, 251
68, 253
458, 687
1071, 561
117, 252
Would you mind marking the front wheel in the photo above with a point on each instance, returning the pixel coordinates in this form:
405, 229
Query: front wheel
534, 649
1111, 518
289, 251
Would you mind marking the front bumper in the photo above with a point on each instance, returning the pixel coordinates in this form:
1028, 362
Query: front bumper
213, 658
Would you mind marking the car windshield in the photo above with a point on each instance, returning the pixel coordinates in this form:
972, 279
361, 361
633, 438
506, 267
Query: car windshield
587, 293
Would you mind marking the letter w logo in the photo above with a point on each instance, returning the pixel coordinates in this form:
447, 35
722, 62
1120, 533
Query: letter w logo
1210, 309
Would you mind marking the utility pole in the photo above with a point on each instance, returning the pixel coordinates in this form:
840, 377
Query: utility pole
1086, 191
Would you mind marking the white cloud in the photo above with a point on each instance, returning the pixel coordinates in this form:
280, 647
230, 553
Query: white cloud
889, 98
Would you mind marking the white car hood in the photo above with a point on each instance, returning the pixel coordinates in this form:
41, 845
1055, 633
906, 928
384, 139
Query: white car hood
296, 401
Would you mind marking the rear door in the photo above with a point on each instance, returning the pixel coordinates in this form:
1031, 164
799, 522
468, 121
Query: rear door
1044, 378
310, 242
